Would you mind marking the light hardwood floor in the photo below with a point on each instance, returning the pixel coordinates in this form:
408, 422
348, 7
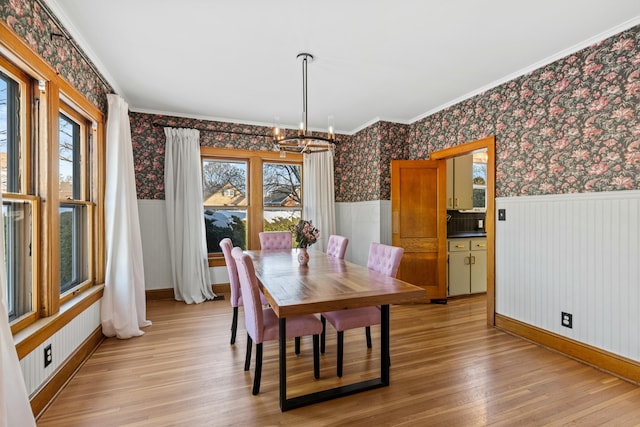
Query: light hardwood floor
448, 368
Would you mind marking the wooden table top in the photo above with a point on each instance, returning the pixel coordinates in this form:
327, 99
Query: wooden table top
326, 284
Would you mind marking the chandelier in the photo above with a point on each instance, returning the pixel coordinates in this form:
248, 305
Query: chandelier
303, 141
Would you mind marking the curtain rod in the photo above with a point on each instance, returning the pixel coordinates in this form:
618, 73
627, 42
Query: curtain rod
204, 129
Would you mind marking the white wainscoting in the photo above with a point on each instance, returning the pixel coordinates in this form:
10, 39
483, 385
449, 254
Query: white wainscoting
63, 344
574, 253
363, 223
155, 244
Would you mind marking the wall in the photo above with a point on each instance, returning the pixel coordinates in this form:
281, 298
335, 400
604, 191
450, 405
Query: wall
573, 253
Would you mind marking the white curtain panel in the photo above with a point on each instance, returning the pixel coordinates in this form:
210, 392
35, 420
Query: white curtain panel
123, 311
15, 409
319, 196
185, 219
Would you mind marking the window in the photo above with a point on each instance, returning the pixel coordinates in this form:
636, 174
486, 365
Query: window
281, 195
18, 209
224, 186
60, 168
479, 173
72, 178
10, 120
246, 192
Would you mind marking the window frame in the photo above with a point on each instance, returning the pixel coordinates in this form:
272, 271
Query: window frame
255, 205
44, 93
80, 204
18, 193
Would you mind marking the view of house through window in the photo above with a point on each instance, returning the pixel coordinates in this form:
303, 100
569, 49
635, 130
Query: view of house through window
224, 184
282, 195
237, 199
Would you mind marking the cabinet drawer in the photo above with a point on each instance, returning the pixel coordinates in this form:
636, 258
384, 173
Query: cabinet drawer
479, 244
458, 245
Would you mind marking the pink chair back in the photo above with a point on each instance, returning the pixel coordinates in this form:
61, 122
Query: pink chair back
385, 259
270, 240
337, 246
226, 245
253, 321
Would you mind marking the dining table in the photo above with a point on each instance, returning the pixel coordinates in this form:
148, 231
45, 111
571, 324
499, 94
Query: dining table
327, 284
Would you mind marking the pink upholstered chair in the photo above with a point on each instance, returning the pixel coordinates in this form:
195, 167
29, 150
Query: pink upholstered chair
383, 259
262, 324
270, 240
236, 296
337, 246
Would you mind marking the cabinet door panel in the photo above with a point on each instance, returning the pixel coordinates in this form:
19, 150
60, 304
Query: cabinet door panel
479, 271
458, 273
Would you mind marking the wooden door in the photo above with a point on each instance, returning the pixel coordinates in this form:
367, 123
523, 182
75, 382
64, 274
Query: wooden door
418, 216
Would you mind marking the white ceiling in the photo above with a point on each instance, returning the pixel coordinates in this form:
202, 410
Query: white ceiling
375, 59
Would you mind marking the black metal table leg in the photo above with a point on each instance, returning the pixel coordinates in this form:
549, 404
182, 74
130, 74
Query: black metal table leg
283, 364
384, 344
345, 390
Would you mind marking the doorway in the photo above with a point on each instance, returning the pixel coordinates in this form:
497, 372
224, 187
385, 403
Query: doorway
487, 144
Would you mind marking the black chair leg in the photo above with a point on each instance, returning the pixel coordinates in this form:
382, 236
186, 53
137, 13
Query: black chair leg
258, 374
247, 357
323, 334
340, 345
368, 334
316, 357
234, 325
297, 344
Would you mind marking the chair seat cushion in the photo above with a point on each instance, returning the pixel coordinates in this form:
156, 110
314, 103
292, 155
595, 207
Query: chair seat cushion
353, 318
297, 326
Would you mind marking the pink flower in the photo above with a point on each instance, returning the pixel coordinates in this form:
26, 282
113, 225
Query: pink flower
598, 168
622, 113
599, 104
624, 44
623, 182
561, 85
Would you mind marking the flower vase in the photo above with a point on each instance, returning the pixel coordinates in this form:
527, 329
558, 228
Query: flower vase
303, 256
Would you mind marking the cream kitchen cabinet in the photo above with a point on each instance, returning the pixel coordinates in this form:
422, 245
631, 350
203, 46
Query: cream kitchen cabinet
460, 183
467, 270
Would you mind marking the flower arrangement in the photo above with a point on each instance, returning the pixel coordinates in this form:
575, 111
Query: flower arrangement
306, 233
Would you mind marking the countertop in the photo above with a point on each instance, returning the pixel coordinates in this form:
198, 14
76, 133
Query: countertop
465, 234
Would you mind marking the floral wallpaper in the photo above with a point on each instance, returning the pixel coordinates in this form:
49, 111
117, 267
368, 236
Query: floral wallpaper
363, 162
570, 126
30, 22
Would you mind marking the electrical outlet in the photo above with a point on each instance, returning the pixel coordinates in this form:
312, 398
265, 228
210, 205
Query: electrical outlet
567, 320
48, 356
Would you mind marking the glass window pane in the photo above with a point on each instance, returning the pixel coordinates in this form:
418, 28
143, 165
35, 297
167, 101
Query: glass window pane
73, 264
9, 134
282, 185
18, 228
221, 223
69, 155
281, 219
224, 182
